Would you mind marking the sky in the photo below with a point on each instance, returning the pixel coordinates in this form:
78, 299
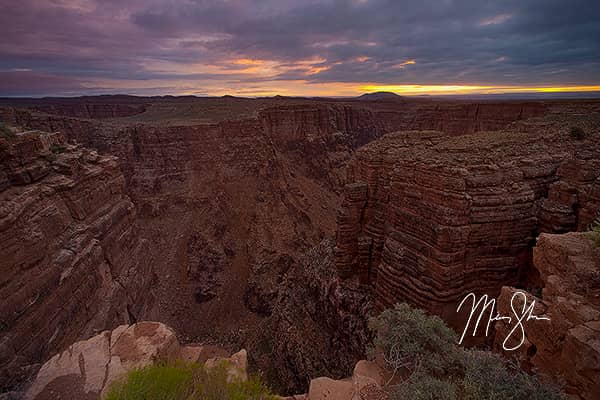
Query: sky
298, 47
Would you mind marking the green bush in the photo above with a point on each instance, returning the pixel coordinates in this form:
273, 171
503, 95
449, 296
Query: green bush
430, 365
488, 377
421, 386
186, 381
410, 340
158, 382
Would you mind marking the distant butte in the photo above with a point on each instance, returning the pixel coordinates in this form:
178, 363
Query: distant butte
380, 96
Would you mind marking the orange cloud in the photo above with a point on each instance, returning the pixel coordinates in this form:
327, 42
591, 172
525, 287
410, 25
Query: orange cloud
247, 61
316, 70
405, 63
473, 89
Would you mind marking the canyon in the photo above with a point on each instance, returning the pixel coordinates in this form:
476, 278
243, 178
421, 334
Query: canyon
283, 222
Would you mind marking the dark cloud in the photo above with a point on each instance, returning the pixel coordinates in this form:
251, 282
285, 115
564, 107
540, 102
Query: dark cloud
79, 44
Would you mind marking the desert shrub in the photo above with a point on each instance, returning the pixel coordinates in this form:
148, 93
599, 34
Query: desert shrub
413, 341
489, 377
434, 367
5, 130
57, 148
186, 381
577, 133
424, 387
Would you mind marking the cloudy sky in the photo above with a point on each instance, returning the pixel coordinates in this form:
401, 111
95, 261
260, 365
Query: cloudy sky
297, 47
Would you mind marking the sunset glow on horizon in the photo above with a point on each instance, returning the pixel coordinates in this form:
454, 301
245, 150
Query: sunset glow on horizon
474, 89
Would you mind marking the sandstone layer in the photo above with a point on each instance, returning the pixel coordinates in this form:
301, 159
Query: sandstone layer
72, 259
428, 218
565, 349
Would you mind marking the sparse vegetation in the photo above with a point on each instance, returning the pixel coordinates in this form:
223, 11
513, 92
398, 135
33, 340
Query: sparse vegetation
57, 148
186, 381
428, 364
5, 130
595, 231
577, 133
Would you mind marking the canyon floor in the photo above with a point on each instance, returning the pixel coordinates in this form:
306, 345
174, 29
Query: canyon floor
278, 224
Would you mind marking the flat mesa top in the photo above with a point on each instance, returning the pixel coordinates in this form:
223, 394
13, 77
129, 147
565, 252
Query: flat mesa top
190, 110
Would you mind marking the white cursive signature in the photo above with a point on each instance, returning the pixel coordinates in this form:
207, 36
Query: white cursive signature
526, 315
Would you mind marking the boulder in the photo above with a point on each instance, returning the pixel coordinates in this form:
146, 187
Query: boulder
87, 368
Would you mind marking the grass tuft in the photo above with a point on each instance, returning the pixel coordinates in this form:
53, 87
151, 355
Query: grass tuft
186, 381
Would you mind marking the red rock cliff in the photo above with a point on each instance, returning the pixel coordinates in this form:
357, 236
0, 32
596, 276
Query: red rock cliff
71, 258
565, 349
429, 219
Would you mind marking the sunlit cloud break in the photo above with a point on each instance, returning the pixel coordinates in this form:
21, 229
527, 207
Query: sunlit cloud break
473, 89
304, 48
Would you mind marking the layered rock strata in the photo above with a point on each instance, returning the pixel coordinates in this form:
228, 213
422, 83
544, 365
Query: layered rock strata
72, 260
565, 349
229, 207
427, 219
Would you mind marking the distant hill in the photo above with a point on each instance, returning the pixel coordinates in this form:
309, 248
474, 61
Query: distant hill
378, 96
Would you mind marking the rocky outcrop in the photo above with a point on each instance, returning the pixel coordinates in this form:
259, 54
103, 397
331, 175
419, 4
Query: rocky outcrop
565, 349
87, 368
72, 260
366, 383
428, 218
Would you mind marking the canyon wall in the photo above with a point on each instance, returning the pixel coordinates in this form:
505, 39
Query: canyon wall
564, 349
427, 219
318, 325
460, 117
72, 258
93, 107
229, 208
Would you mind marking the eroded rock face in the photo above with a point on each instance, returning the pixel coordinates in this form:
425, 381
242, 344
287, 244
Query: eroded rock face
72, 261
318, 326
566, 349
428, 219
365, 383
